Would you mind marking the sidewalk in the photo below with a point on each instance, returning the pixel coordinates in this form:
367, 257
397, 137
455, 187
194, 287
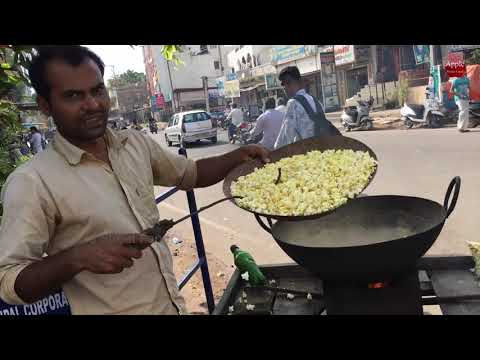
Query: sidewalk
382, 119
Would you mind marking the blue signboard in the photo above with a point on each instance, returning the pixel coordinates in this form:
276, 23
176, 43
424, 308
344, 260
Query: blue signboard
55, 304
231, 76
285, 53
153, 103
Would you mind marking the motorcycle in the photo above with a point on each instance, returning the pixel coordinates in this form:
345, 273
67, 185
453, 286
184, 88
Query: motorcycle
357, 117
153, 128
242, 133
428, 114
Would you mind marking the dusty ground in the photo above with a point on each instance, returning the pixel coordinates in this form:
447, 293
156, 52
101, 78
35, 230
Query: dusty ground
184, 256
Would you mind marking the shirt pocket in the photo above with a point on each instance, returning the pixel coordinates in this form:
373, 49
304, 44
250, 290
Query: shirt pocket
146, 202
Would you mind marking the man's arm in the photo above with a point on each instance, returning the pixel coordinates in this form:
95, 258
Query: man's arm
108, 254
27, 224
214, 169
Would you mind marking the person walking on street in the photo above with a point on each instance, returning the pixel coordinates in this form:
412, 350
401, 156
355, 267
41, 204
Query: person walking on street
36, 140
86, 201
281, 105
269, 123
305, 117
461, 91
236, 119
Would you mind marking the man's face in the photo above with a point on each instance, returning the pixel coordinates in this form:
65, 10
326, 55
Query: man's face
288, 87
79, 102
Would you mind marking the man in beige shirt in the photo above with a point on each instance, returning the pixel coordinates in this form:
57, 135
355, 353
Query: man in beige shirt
73, 215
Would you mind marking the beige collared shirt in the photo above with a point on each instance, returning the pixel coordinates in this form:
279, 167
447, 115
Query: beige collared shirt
64, 197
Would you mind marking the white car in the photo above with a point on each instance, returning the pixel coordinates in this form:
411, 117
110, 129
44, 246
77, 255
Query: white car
190, 126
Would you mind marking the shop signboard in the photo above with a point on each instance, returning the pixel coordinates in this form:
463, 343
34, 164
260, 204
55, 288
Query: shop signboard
220, 82
325, 48
454, 48
231, 76
232, 89
213, 94
167, 96
435, 81
286, 53
422, 54
272, 82
329, 81
344, 54
153, 103
160, 101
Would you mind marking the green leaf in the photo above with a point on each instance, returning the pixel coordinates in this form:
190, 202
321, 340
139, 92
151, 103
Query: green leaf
5, 66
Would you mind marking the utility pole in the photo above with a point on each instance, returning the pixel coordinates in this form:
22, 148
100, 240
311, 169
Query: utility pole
171, 86
220, 59
205, 92
222, 71
434, 63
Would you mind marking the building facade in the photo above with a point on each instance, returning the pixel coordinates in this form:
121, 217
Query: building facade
181, 86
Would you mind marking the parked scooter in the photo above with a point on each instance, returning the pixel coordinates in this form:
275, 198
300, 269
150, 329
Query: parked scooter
474, 113
357, 117
428, 114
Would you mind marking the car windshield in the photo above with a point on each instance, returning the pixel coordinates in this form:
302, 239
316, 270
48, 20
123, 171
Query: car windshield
191, 118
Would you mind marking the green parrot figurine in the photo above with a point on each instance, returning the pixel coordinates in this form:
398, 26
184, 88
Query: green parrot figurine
246, 264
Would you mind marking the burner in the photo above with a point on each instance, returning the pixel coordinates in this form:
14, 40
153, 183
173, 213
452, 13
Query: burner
401, 296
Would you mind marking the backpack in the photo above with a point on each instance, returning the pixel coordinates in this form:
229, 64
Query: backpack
321, 125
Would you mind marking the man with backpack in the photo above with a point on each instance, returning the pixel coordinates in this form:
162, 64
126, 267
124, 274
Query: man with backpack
305, 117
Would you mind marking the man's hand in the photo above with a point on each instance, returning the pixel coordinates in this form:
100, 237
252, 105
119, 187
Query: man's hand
107, 254
253, 151
111, 253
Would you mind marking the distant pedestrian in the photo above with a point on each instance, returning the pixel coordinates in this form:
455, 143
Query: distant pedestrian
305, 117
461, 90
281, 105
36, 140
269, 123
236, 117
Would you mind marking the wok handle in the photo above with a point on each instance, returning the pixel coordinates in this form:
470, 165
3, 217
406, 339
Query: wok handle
263, 225
455, 183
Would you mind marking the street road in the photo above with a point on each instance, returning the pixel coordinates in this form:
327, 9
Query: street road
413, 163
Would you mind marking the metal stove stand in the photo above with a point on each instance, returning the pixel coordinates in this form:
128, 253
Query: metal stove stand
445, 281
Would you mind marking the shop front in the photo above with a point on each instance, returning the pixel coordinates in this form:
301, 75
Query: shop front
351, 62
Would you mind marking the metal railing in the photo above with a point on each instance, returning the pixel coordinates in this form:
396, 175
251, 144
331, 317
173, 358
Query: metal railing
201, 263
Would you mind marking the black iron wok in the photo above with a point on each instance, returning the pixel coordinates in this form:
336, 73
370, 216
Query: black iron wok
320, 143
372, 238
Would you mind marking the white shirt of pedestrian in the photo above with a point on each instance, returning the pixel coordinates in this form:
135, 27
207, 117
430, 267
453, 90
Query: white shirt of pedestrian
237, 116
269, 123
297, 124
281, 108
